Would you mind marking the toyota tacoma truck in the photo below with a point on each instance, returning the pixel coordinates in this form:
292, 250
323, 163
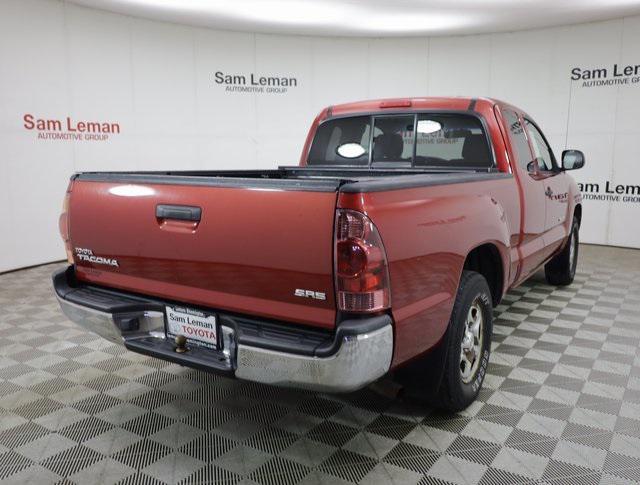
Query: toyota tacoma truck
387, 247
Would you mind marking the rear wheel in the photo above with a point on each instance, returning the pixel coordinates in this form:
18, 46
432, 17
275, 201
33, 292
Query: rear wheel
561, 270
469, 343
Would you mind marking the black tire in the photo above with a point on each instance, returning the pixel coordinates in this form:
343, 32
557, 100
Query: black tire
456, 390
561, 269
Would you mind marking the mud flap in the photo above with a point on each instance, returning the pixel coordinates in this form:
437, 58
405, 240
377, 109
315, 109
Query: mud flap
421, 378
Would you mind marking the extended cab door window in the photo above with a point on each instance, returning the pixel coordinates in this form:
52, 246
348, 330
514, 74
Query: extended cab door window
541, 149
518, 139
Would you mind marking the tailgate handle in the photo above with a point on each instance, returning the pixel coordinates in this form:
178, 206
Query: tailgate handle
178, 212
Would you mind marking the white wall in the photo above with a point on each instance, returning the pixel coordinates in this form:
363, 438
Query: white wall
156, 81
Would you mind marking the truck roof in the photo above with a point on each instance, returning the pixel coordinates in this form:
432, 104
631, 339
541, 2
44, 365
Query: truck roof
381, 105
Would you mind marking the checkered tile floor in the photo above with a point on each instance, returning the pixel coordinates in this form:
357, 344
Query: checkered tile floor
561, 403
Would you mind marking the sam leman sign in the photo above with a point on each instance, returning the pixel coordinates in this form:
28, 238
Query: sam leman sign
615, 75
254, 83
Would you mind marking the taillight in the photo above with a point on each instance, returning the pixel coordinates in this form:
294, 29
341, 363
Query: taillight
63, 224
362, 273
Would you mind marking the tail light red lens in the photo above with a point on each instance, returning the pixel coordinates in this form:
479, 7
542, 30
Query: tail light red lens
63, 224
362, 273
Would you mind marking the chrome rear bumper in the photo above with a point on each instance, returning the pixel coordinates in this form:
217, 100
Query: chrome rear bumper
360, 352
360, 360
108, 326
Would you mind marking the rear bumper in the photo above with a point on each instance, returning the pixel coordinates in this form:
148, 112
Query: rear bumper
356, 354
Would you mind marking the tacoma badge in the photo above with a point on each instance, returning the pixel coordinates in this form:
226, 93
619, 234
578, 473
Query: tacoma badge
87, 255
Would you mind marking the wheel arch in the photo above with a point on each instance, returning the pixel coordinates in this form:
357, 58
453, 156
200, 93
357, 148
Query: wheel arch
486, 260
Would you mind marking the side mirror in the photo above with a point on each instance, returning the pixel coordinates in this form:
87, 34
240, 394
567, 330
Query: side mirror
572, 159
533, 166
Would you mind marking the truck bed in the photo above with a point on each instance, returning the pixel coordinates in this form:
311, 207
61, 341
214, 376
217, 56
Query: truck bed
249, 242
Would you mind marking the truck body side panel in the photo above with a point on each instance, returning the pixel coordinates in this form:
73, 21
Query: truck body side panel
427, 233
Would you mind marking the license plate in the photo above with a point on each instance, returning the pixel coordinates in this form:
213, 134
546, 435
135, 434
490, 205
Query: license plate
198, 327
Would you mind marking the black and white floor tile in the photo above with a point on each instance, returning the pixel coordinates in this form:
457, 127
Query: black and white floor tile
560, 405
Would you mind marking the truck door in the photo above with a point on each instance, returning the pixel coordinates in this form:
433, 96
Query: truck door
532, 198
555, 189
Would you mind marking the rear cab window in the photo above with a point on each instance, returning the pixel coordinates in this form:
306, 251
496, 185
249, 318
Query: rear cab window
439, 140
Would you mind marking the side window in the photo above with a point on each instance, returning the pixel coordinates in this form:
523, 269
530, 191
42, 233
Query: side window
518, 139
541, 149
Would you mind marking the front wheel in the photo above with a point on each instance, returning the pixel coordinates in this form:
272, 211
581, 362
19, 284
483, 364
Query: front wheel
469, 343
561, 269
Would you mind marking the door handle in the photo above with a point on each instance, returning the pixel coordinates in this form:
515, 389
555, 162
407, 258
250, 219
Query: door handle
179, 212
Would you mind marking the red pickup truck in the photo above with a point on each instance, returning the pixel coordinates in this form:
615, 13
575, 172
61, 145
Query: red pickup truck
405, 222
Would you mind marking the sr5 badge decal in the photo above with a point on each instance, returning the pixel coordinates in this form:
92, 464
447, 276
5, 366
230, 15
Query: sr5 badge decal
316, 295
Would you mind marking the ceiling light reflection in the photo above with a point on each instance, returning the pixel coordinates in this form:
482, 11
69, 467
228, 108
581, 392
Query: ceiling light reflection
131, 190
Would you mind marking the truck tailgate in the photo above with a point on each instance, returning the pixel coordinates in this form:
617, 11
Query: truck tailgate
251, 249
